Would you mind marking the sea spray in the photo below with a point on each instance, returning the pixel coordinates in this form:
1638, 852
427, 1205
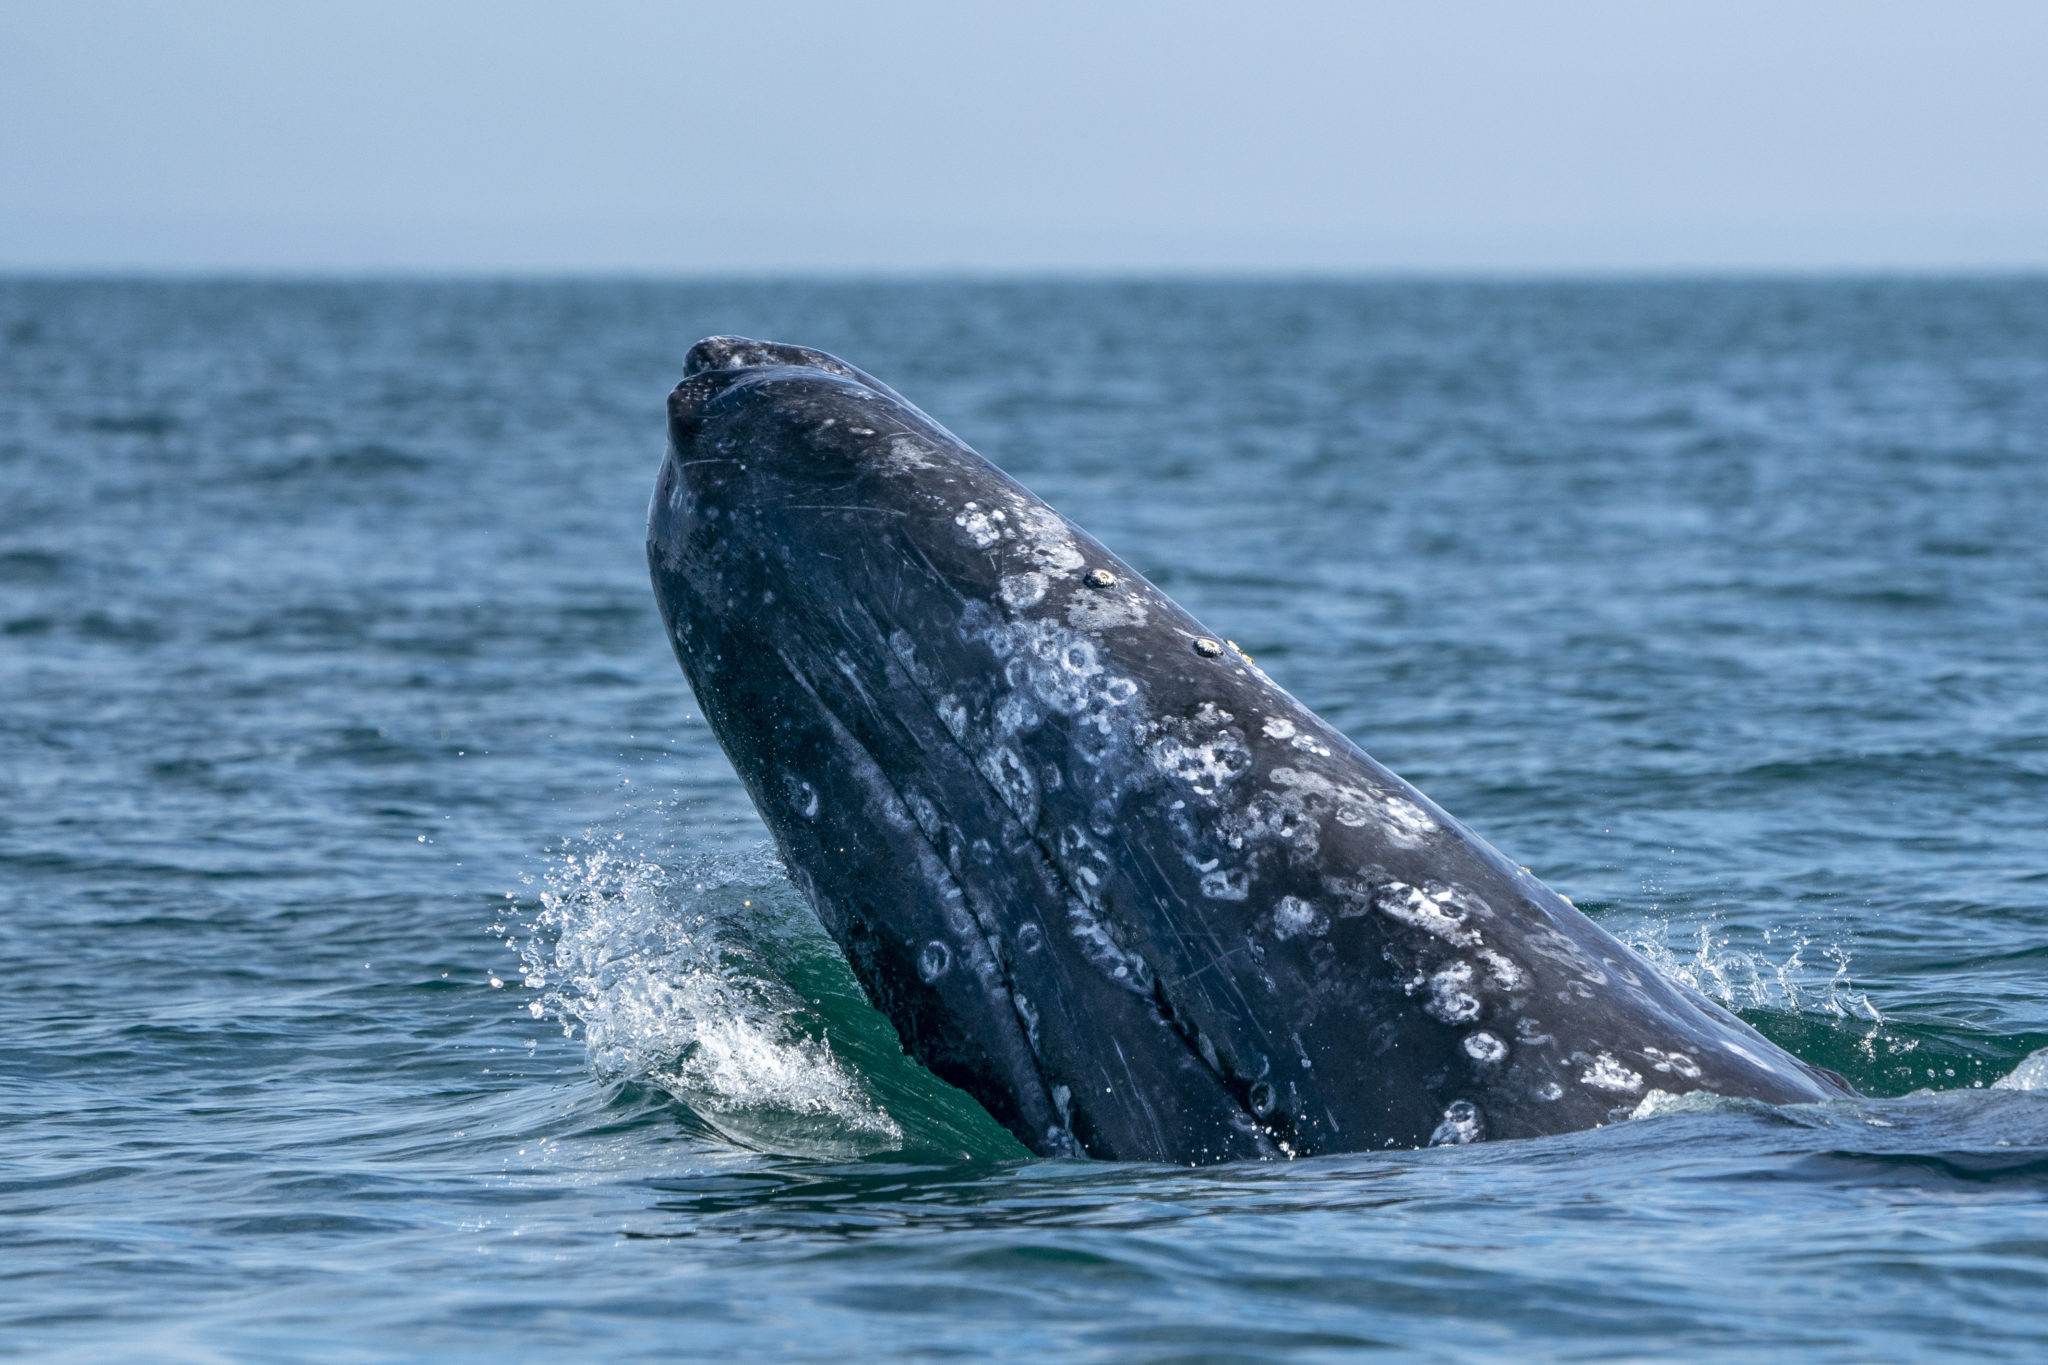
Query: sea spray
2030, 1075
660, 967
1754, 978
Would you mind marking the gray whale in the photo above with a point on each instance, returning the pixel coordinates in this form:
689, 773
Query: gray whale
1099, 870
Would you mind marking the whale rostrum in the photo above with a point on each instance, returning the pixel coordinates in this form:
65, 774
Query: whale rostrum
1098, 869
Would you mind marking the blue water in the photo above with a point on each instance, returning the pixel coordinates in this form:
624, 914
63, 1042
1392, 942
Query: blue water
396, 969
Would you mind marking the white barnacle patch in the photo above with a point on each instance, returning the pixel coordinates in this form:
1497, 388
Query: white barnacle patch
1550, 1092
926, 815
1485, 1049
1205, 766
1101, 947
1226, 884
1402, 821
1266, 820
1076, 656
1350, 806
1608, 1072
1013, 783
1436, 912
983, 527
1046, 536
1085, 862
953, 716
1052, 666
1117, 691
1282, 729
1021, 590
1294, 917
1353, 895
1016, 713
1042, 535
1674, 1063
802, 796
1461, 1125
1505, 971
907, 453
1105, 611
1405, 822
1028, 1012
1450, 994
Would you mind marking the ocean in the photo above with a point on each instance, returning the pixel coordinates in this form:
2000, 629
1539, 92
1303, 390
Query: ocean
399, 971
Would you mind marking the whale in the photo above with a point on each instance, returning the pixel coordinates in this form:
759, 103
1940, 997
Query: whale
1099, 870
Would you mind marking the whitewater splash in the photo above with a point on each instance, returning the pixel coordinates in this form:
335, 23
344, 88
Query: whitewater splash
1742, 978
661, 968
2030, 1075
1793, 980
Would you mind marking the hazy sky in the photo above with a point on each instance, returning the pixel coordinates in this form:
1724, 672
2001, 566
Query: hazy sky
680, 138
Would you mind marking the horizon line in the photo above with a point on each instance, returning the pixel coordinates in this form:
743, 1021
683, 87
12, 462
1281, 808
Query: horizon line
1002, 275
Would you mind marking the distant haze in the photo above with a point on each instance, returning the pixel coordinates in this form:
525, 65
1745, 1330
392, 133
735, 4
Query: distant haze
210, 135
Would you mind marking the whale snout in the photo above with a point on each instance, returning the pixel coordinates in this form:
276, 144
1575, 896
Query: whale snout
720, 353
719, 364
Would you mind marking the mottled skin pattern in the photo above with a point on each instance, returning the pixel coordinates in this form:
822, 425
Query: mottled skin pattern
1100, 871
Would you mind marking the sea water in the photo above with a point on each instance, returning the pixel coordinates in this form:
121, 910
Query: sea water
396, 969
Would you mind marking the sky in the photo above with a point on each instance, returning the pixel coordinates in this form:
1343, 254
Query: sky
895, 136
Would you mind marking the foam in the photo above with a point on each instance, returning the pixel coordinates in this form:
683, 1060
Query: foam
652, 964
2030, 1075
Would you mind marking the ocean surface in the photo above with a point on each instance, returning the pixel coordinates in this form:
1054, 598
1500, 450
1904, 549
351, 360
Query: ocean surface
395, 968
